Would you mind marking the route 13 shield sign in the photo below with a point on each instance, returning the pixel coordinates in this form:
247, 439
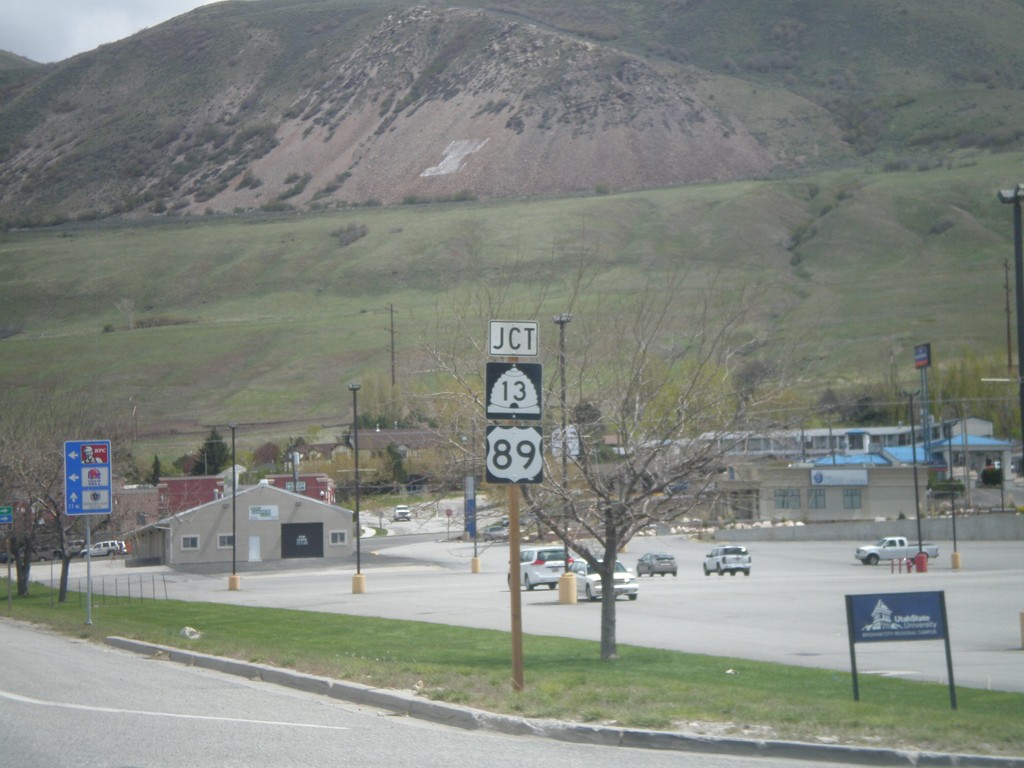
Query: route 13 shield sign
514, 455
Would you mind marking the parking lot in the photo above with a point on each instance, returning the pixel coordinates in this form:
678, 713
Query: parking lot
791, 609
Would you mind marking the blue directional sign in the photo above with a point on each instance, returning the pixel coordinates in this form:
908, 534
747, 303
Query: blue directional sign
87, 477
6, 515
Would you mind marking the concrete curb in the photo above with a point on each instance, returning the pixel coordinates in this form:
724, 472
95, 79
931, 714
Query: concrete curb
406, 703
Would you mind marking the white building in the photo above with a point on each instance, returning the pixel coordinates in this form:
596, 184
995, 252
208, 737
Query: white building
260, 523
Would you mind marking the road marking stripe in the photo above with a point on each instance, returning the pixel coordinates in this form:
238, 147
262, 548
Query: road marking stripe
110, 710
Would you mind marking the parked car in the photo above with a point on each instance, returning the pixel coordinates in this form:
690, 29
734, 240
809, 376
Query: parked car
105, 549
541, 565
657, 562
588, 581
402, 514
495, 533
729, 558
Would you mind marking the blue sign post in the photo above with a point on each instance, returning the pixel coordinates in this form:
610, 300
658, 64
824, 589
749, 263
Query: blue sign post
88, 491
897, 616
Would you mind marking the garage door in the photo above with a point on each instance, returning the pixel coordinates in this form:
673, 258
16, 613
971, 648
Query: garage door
302, 540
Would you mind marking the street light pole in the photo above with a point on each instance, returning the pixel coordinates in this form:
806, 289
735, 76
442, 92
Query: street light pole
917, 493
234, 582
358, 580
1014, 197
567, 592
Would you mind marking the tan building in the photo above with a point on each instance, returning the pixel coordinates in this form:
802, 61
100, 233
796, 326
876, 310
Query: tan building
260, 524
819, 493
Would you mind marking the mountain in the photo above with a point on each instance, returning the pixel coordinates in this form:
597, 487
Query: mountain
278, 104
230, 192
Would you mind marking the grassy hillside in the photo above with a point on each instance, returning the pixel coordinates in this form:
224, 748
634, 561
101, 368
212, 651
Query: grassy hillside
265, 318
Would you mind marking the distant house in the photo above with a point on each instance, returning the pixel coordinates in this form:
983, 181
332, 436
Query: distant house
409, 442
180, 493
315, 485
271, 524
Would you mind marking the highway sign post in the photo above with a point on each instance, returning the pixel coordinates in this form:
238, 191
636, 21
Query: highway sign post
88, 491
6, 519
514, 455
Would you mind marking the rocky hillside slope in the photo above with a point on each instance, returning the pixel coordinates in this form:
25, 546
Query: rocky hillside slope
277, 104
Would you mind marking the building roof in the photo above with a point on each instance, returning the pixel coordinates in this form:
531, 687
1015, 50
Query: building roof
853, 460
238, 497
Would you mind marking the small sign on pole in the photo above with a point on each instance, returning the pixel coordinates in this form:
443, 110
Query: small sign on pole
898, 616
514, 455
513, 391
516, 338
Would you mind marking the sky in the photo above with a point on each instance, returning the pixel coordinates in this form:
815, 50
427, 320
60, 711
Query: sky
53, 30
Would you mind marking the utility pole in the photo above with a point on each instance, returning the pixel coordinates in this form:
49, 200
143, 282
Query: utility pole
391, 310
1009, 336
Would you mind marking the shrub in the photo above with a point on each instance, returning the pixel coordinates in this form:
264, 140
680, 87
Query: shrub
991, 476
351, 233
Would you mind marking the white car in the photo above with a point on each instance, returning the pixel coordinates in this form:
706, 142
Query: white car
402, 514
588, 581
541, 565
727, 559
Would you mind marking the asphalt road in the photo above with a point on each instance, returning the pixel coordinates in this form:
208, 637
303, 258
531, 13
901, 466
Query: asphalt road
790, 610
69, 703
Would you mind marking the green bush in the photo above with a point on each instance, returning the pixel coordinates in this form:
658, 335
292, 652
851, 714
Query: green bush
991, 476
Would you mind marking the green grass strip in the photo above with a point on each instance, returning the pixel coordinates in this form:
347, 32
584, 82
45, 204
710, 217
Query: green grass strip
565, 679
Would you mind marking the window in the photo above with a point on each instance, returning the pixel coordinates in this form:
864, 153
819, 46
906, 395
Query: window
787, 498
225, 541
190, 542
851, 498
339, 537
816, 498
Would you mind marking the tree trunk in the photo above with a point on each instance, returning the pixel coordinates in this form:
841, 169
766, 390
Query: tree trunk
65, 568
609, 647
23, 561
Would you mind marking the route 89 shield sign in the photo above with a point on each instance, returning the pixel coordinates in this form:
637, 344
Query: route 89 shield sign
514, 455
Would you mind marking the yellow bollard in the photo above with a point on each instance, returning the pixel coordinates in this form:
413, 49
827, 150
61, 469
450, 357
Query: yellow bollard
567, 588
474, 565
956, 561
358, 583
234, 582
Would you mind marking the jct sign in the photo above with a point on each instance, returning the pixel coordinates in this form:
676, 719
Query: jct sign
513, 339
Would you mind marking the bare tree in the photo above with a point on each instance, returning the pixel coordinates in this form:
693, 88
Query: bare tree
668, 374
32, 435
669, 382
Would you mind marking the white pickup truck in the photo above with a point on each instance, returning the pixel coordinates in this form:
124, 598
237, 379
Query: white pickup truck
893, 548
